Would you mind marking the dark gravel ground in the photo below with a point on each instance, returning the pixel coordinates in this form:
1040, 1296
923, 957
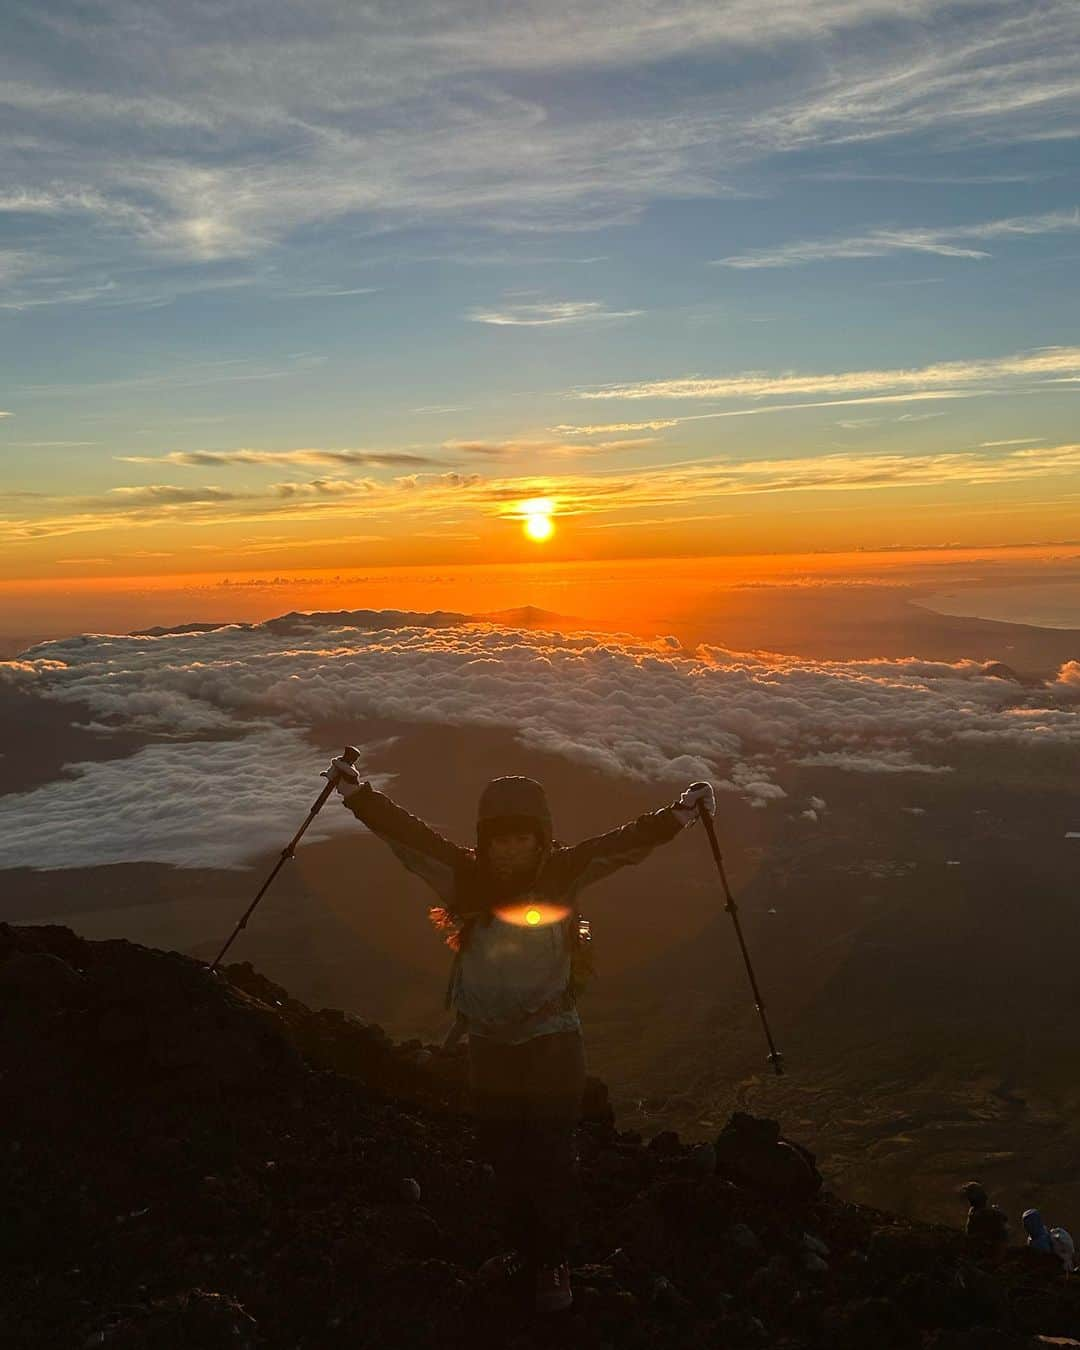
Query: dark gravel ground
191, 1162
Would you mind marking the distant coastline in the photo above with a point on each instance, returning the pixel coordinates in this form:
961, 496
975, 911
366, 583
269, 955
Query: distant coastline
1044, 604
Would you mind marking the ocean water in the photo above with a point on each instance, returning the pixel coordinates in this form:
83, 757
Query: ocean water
1041, 604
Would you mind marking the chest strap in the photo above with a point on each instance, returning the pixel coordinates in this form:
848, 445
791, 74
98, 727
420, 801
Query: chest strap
560, 1002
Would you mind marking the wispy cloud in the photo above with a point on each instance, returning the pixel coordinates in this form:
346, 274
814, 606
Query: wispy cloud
326, 487
581, 450
208, 506
444, 115
876, 244
857, 423
201, 459
424, 499
1000, 77
168, 494
491, 449
765, 409
53, 201
328, 292
556, 449
612, 428
959, 179
1046, 362
546, 314
945, 242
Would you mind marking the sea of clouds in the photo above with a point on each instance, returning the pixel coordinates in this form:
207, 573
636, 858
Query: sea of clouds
231, 712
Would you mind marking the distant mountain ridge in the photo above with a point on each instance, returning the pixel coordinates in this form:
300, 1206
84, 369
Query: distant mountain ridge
525, 616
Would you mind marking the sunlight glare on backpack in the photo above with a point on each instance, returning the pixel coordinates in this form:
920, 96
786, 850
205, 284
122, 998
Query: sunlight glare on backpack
533, 914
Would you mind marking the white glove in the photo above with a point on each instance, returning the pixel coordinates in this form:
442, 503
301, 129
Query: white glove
343, 775
687, 805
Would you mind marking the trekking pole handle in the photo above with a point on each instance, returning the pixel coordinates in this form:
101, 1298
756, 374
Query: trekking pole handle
350, 755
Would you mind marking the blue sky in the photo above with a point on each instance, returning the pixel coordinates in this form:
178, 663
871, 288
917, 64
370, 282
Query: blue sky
273, 275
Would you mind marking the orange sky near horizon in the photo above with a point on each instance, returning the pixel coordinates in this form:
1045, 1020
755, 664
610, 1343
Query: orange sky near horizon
836, 501
637, 593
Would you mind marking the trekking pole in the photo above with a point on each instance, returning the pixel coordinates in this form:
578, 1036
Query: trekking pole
776, 1059
350, 756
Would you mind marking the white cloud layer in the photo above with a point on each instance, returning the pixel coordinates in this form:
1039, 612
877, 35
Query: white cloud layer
195, 804
643, 711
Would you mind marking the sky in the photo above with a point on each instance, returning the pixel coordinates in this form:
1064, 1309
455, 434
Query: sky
341, 286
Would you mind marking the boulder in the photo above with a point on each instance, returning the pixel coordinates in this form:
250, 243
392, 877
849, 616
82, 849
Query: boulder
750, 1151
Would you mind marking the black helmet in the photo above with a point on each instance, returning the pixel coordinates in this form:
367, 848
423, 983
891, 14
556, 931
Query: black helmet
513, 803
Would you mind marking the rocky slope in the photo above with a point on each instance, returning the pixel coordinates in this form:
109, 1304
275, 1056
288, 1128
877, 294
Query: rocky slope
197, 1161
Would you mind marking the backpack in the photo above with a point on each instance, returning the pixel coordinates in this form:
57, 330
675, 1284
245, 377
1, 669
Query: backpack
577, 934
987, 1224
1063, 1247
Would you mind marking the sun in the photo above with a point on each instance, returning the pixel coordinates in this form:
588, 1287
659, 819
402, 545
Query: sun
539, 527
537, 514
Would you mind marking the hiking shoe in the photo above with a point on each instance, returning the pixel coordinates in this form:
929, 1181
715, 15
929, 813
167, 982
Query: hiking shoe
553, 1292
500, 1269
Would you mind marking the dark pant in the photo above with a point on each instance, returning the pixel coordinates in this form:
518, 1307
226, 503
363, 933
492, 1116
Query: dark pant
526, 1100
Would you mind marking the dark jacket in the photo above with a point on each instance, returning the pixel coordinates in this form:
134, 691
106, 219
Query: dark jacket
462, 883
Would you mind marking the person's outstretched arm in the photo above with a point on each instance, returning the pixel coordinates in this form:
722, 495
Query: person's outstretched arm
606, 853
423, 850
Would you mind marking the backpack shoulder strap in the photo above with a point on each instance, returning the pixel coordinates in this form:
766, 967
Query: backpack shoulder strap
454, 967
464, 934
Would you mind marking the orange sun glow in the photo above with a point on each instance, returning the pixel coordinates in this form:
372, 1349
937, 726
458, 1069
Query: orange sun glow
537, 514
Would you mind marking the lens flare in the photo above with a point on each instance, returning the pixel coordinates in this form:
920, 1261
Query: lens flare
532, 914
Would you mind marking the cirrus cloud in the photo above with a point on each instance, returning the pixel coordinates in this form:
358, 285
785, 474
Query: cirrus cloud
214, 459
943, 243
1041, 364
547, 314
